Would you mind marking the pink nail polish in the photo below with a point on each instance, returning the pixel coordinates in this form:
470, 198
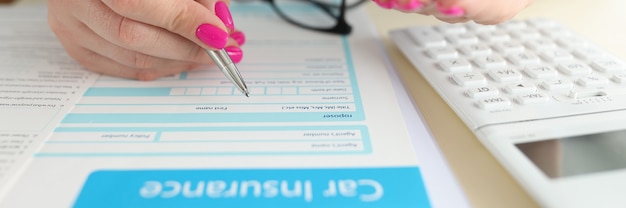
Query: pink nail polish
387, 5
235, 53
222, 11
453, 11
239, 37
411, 6
212, 36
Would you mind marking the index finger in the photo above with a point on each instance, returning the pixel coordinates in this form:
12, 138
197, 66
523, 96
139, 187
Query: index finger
187, 18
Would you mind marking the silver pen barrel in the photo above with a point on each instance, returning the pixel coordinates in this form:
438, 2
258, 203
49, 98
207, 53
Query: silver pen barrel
226, 65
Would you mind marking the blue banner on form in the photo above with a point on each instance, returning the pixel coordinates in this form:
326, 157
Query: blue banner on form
259, 188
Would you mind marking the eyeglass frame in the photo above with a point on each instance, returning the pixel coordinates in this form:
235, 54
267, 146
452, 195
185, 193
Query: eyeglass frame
341, 27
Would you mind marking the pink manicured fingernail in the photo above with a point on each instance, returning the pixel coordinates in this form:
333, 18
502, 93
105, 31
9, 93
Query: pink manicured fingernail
387, 5
453, 11
212, 36
411, 6
221, 11
235, 53
239, 37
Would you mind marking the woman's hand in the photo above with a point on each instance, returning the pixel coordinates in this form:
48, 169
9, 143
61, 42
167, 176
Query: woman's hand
143, 39
453, 11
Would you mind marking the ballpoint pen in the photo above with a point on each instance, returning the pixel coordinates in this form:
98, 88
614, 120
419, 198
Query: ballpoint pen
226, 65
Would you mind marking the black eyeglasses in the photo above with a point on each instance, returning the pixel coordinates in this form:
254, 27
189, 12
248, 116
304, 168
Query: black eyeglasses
318, 15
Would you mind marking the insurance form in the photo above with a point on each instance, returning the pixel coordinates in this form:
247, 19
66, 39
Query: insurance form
322, 127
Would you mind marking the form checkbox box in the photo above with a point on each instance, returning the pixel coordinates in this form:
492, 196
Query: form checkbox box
225, 91
178, 91
290, 91
257, 90
209, 91
273, 91
193, 91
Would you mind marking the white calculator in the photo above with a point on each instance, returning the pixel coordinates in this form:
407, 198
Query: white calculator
547, 102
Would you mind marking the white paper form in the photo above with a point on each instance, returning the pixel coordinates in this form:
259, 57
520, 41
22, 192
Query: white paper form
322, 128
39, 84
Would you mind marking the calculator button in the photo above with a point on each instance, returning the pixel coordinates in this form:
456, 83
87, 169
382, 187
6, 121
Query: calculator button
479, 49
455, 65
494, 103
427, 37
588, 53
557, 84
524, 58
490, 62
508, 47
520, 88
532, 98
442, 53
481, 92
619, 78
555, 32
541, 44
592, 81
556, 55
574, 68
607, 66
540, 72
571, 42
469, 79
495, 36
526, 34
505, 75
463, 39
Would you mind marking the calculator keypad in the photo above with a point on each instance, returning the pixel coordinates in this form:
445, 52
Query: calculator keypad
518, 70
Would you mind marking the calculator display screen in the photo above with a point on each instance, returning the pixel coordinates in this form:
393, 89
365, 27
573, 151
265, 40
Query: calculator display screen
578, 155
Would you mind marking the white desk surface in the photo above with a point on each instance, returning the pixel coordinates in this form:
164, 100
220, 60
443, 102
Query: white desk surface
485, 182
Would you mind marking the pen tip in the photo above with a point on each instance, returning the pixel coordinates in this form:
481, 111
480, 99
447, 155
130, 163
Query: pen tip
247, 95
